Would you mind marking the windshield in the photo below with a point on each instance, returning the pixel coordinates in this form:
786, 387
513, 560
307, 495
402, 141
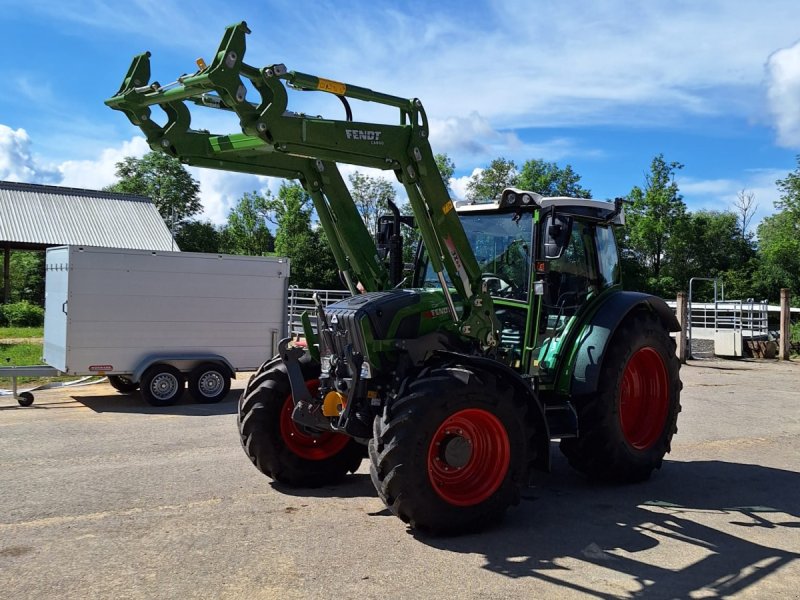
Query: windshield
502, 245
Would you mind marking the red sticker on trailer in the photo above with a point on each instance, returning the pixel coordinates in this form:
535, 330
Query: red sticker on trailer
101, 367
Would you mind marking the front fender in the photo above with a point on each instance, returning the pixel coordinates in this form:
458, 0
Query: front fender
584, 367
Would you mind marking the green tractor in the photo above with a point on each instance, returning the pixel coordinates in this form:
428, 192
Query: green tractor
511, 330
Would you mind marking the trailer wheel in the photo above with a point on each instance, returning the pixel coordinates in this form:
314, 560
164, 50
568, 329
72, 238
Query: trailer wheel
25, 398
162, 385
281, 449
122, 384
449, 455
626, 428
209, 383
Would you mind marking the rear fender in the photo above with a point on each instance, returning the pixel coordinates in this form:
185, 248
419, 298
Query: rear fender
523, 390
583, 371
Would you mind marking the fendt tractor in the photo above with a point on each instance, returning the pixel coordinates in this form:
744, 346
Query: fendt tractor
511, 330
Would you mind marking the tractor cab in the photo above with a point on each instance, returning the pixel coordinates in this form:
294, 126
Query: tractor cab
543, 260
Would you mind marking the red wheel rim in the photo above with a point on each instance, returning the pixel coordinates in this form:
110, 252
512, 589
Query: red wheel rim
304, 445
468, 457
644, 398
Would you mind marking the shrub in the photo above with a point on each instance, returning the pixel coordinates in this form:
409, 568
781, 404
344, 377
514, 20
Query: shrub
22, 314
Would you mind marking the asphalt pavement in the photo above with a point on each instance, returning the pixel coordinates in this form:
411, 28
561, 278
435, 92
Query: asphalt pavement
104, 496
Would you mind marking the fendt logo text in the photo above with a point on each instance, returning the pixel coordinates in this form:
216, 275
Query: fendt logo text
361, 134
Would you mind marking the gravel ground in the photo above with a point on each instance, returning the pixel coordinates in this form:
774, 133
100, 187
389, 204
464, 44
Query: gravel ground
105, 497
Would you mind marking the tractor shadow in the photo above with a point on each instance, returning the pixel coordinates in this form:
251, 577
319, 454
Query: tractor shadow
565, 521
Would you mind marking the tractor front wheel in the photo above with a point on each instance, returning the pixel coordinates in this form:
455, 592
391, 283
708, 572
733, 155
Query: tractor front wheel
448, 456
279, 447
626, 428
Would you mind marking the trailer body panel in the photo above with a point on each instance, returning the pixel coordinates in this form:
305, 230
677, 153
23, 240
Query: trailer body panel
109, 309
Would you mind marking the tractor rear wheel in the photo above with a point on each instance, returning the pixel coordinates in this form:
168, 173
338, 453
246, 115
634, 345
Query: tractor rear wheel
626, 428
449, 455
277, 446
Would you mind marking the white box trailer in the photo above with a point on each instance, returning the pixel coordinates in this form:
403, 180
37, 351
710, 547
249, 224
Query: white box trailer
155, 320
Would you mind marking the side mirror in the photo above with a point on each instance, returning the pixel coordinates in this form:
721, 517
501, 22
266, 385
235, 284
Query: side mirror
556, 238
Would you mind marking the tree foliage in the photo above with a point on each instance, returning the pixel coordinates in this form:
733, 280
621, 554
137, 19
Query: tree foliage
371, 196
165, 181
247, 230
312, 262
447, 168
548, 179
790, 192
657, 228
489, 183
198, 236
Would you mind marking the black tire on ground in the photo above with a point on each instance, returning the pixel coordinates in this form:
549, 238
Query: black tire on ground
209, 382
122, 384
25, 398
162, 385
626, 428
277, 446
449, 455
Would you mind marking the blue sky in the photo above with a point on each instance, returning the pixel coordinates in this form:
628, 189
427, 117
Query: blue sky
603, 85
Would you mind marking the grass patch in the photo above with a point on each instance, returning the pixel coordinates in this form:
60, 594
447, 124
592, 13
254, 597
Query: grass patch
24, 355
14, 355
21, 332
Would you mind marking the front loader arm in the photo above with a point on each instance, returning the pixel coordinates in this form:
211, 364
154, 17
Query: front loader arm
307, 148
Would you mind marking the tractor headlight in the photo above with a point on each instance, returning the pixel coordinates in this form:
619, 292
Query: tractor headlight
325, 363
366, 371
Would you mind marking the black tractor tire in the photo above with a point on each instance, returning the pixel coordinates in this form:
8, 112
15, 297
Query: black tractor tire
162, 385
626, 428
448, 456
122, 384
209, 382
281, 449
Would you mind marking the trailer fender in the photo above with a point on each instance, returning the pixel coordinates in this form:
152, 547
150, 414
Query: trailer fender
584, 368
541, 441
183, 362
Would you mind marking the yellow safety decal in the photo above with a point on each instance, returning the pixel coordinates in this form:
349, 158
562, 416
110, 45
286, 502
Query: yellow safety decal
447, 207
334, 87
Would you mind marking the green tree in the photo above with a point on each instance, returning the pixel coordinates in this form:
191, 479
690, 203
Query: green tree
656, 229
165, 181
247, 230
446, 167
198, 236
712, 246
26, 275
779, 253
489, 183
548, 179
312, 262
790, 191
371, 196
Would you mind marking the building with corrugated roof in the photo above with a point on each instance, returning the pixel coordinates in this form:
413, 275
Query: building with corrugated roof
34, 217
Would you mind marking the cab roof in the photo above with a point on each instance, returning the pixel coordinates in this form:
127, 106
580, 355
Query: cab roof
513, 198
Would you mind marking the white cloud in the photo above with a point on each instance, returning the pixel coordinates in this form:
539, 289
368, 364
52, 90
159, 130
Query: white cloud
471, 135
721, 194
17, 162
221, 190
783, 92
458, 185
100, 172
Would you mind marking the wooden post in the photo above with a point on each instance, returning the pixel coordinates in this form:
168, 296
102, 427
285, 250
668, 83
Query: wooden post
783, 341
6, 274
680, 311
